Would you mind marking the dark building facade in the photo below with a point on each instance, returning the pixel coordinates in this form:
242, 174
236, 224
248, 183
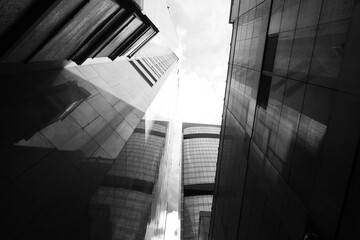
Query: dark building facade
69, 170
288, 163
200, 148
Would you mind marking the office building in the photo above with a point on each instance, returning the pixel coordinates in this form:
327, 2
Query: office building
126, 194
63, 130
200, 149
65, 125
288, 165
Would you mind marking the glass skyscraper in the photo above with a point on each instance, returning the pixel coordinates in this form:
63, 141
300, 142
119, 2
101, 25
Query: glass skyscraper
200, 149
69, 170
126, 192
289, 146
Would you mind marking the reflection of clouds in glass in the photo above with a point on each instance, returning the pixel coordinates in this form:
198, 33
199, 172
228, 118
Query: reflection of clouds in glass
167, 189
164, 105
156, 228
311, 132
172, 226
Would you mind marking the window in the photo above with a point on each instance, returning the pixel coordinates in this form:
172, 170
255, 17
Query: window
270, 50
264, 90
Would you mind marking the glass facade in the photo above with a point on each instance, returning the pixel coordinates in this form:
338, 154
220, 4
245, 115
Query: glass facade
127, 190
201, 129
204, 225
199, 160
200, 150
191, 214
290, 132
77, 163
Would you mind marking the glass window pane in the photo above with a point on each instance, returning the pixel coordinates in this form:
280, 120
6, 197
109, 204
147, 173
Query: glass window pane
243, 31
276, 12
246, 52
241, 52
293, 98
270, 51
264, 90
309, 13
249, 30
276, 96
283, 51
333, 10
236, 53
328, 53
253, 49
289, 15
301, 53
256, 30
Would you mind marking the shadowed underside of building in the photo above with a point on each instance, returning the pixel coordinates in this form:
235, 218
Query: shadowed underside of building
57, 30
288, 163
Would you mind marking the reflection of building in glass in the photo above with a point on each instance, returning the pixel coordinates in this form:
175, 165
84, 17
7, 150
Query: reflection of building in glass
127, 189
289, 146
65, 127
200, 149
63, 133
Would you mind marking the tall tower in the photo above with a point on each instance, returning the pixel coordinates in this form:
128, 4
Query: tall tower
69, 116
288, 161
200, 149
122, 204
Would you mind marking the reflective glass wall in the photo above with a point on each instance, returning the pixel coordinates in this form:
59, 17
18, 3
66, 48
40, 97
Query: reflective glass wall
76, 164
290, 131
200, 149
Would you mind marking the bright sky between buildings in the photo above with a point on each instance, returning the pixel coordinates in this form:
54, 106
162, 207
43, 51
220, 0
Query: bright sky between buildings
204, 35
194, 92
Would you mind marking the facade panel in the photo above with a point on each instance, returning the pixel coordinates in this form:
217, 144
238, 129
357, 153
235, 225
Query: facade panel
200, 149
289, 136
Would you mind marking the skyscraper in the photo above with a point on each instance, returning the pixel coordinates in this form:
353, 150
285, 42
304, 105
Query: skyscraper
124, 199
200, 149
65, 127
62, 125
288, 162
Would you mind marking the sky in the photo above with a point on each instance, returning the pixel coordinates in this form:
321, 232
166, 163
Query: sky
204, 35
194, 91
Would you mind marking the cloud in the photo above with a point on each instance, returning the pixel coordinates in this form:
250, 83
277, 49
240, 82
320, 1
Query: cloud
200, 98
204, 35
